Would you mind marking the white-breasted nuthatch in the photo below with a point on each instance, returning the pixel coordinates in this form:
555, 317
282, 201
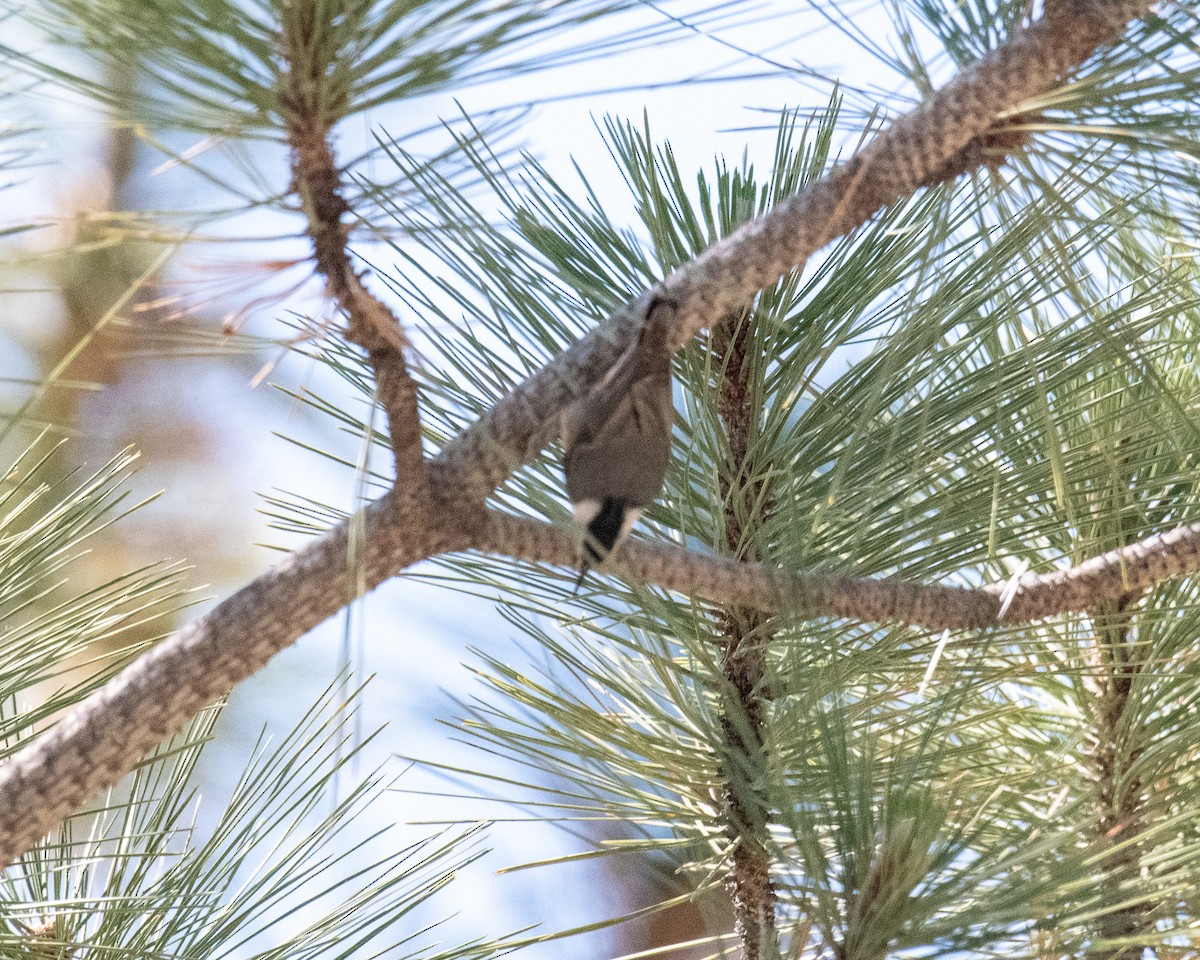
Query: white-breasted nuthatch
617, 439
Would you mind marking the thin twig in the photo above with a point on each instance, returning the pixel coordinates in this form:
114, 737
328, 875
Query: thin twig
317, 181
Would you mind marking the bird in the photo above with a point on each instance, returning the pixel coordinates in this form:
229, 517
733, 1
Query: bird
617, 439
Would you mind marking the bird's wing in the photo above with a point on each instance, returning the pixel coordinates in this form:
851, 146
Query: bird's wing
617, 437
627, 455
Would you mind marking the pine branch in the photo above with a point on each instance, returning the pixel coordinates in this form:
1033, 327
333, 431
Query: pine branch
745, 640
97, 743
1126, 925
309, 52
730, 272
757, 586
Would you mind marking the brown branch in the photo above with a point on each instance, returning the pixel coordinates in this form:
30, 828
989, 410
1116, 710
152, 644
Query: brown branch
103, 738
731, 582
729, 273
745, 638
989, 150
1126, 925
317, 181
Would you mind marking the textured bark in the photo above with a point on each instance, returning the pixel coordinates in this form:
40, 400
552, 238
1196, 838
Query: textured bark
730, 273
317, 181
727, 580
103, 738
1120, 804
744, 639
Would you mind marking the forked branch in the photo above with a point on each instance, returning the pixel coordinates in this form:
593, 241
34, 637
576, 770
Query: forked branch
105, 736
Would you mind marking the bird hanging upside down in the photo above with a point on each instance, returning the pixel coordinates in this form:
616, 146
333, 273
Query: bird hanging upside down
617, 439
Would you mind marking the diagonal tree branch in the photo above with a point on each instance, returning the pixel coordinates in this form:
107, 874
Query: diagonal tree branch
901, 159
104, 737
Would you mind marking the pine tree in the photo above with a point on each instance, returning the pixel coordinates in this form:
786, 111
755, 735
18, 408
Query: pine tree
902, 661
